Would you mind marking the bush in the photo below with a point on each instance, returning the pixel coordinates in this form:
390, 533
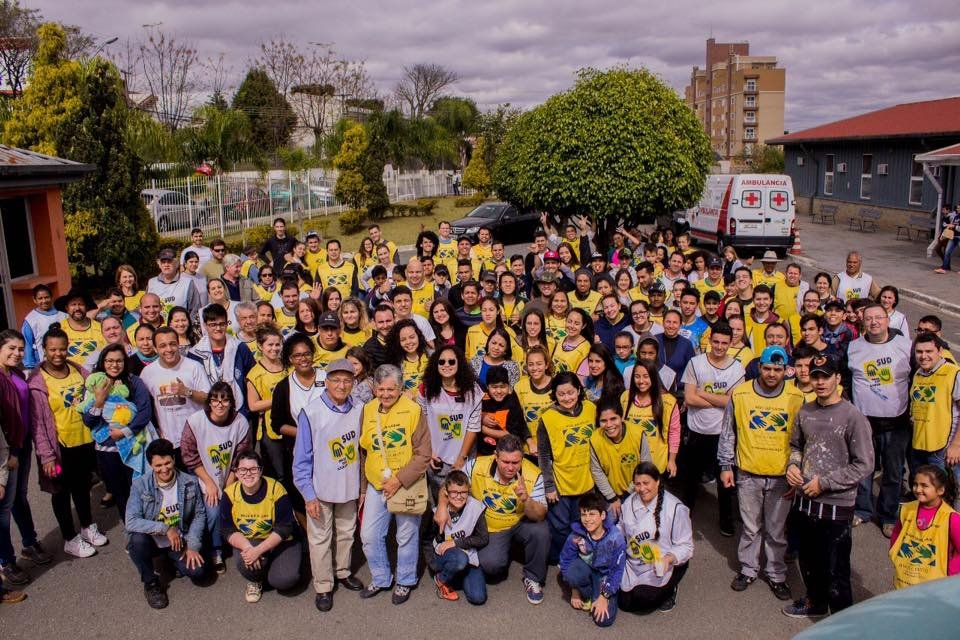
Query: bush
425, 206
351, 221
402, 209
256, 236
470, 201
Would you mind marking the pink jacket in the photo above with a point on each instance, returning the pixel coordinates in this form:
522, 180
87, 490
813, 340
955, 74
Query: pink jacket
44, 427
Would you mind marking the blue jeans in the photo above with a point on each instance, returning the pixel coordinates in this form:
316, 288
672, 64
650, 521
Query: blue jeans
584, 579
890, 448
15, 504
213, 527
454, 565
373, 535
947, 250
143, 549
559, 516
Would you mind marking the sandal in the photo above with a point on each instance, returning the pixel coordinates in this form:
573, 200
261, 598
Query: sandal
939, 271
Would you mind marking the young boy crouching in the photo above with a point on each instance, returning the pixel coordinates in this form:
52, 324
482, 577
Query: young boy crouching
456, 546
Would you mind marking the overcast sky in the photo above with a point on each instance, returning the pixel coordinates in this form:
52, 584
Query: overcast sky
842, 57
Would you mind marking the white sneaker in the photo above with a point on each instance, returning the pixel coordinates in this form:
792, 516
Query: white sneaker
92, 535
78, 547
253, 592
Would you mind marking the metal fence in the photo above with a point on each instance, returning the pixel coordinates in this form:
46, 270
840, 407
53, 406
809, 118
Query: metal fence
226, 204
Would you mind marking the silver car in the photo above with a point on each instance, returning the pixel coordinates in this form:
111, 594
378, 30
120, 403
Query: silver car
173, 210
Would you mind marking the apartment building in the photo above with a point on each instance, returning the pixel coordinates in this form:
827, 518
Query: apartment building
738, 97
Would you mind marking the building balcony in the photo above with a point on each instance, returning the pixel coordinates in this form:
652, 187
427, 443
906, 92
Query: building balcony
749, 122
750, 89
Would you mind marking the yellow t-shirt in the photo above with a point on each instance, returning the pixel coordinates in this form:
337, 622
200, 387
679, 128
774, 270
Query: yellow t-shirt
80, 344
132, 303
589, 304
265, 382
570, 444
355, 338
64, 396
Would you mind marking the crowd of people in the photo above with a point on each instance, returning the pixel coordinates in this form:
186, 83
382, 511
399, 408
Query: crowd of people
567, 403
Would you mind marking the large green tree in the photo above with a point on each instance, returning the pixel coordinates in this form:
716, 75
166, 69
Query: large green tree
272, 119
77, 110
477, 176
223, 138
458, 117
620, 145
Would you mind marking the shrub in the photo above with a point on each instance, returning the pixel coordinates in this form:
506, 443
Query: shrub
351, 221
477, 174
256, 236
470, 201
425, 206
402, 209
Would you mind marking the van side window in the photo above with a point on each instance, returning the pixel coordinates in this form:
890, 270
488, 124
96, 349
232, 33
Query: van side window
751, 199
779, 200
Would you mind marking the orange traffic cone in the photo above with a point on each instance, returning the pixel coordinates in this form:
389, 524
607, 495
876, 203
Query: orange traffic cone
796, 249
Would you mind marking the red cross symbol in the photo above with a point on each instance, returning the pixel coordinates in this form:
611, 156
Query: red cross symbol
779, 200
752, 198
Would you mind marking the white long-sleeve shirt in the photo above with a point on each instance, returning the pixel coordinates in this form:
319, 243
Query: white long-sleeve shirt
638, 525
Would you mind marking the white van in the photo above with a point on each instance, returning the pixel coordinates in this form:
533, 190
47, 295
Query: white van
750, 211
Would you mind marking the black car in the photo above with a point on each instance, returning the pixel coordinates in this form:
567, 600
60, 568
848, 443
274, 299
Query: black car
507, 223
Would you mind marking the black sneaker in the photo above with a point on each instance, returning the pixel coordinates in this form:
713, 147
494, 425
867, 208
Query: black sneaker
803, 609
669, 602
401, 593
726, 529
155, 595
351, 583
741, 582
36, 554
781, 590
324, 601
371, 591
13, 574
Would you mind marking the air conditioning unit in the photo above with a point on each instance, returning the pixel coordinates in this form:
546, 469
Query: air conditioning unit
841, 167
799, 161
882, 169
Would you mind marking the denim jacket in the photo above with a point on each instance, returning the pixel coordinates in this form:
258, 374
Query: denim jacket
143, 507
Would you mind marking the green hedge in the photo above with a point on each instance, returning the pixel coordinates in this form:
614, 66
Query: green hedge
351, 221
470, 201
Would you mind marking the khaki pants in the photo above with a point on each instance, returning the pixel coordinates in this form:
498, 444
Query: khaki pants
329, 555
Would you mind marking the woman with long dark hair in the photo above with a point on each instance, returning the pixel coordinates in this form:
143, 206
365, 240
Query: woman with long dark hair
262, 379
450, 399
615, 449
426, 244
446, 325
498, 352
180, 321
602, 378
407, 350
330, 299
533, 331
649, 408
571, 352
478, 334
308, 313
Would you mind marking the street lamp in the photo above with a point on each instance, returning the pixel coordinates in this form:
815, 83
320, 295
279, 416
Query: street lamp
104, 45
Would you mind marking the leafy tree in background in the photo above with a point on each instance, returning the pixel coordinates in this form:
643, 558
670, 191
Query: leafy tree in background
271, 117
763, 159
77, 110
620, 145
494, 125
350, 187
477, 175
458, 117
222, 138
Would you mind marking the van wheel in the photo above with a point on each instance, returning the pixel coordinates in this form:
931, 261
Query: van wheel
720, 245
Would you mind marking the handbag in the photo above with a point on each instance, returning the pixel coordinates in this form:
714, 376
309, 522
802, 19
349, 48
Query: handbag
947, 234
409, 501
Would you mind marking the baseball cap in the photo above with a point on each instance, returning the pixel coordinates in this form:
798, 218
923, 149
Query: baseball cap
774, 355
166, 254
339, 365
551, 255
547, 276
596, 255
329, 319
769, 256
714, 261
824, 365
657, 287
312, 234
489, 276
834, 304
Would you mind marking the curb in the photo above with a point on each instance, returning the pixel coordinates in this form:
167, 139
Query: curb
911, 294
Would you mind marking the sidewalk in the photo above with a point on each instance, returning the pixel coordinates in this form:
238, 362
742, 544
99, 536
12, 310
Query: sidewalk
900, 263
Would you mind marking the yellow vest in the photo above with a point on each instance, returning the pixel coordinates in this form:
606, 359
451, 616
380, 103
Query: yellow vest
312, 261
64, 395
702, 286
743, 355
589, 305
761, 277
618, 460
323, 357
570, 443
932, 407
422, 299
642, 419
763, 428
755, 332
355, 339
80, 344
413, 374
557, 327
341, 278
255, 521
508, 309
265, 382
397, 426
921, 555
504, 509
264, 294
532, 403
785, 300
132, 303
286, 324
564, 360
476, 341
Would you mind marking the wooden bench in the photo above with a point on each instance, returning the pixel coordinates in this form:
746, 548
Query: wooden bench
827, 213
920, 224
866, 219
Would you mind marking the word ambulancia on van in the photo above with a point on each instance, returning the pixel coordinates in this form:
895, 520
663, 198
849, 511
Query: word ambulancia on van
749, 211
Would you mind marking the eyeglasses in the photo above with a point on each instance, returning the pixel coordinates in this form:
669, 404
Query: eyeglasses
248, 471
458, 494
222, 402
301, 355
266, 274
451, 362
221, 250
216, 325
339, 381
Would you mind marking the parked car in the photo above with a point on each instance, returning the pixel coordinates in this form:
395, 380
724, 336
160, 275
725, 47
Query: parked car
321, 195
508, 223
173, 210
282, 196
246, 203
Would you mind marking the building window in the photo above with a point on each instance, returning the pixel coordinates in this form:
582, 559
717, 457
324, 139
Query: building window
17, 234
751, 85
733, 101
750, 101
866, 177
828, 175
916, 183
750, 117
749, 133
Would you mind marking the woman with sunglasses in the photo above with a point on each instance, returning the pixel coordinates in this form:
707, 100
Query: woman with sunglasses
256, 519
267, 285
211, 441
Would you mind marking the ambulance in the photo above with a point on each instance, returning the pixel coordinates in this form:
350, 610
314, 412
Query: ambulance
747, 211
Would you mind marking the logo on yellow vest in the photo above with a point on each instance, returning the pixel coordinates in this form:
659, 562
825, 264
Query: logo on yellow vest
774, 421
394, 438
919, 554
577, 435
498, 502
924, 393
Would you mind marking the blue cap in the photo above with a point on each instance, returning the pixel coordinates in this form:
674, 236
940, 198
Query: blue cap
774, 355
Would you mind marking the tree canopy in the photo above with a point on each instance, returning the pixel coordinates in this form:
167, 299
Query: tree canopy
271, 117
620, 143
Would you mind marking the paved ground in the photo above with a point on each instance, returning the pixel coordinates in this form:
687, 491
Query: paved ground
74, 598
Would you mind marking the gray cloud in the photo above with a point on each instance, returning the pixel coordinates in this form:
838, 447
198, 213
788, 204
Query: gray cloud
842, 56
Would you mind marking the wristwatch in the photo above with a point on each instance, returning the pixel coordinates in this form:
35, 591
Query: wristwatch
95, 411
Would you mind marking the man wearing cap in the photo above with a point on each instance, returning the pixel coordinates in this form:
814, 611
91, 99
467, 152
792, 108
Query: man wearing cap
83, 334
767, 273
330, 346
830, 452
546, 286
775, 335
598, 264
173, 289
755, 438
879, 362
315, 254
658, 302
854, 283
327, 473
551, 263
584, 297
713, 280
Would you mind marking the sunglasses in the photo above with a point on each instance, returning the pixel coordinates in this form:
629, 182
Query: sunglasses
444, 362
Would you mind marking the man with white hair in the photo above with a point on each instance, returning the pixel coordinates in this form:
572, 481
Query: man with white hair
239, 289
